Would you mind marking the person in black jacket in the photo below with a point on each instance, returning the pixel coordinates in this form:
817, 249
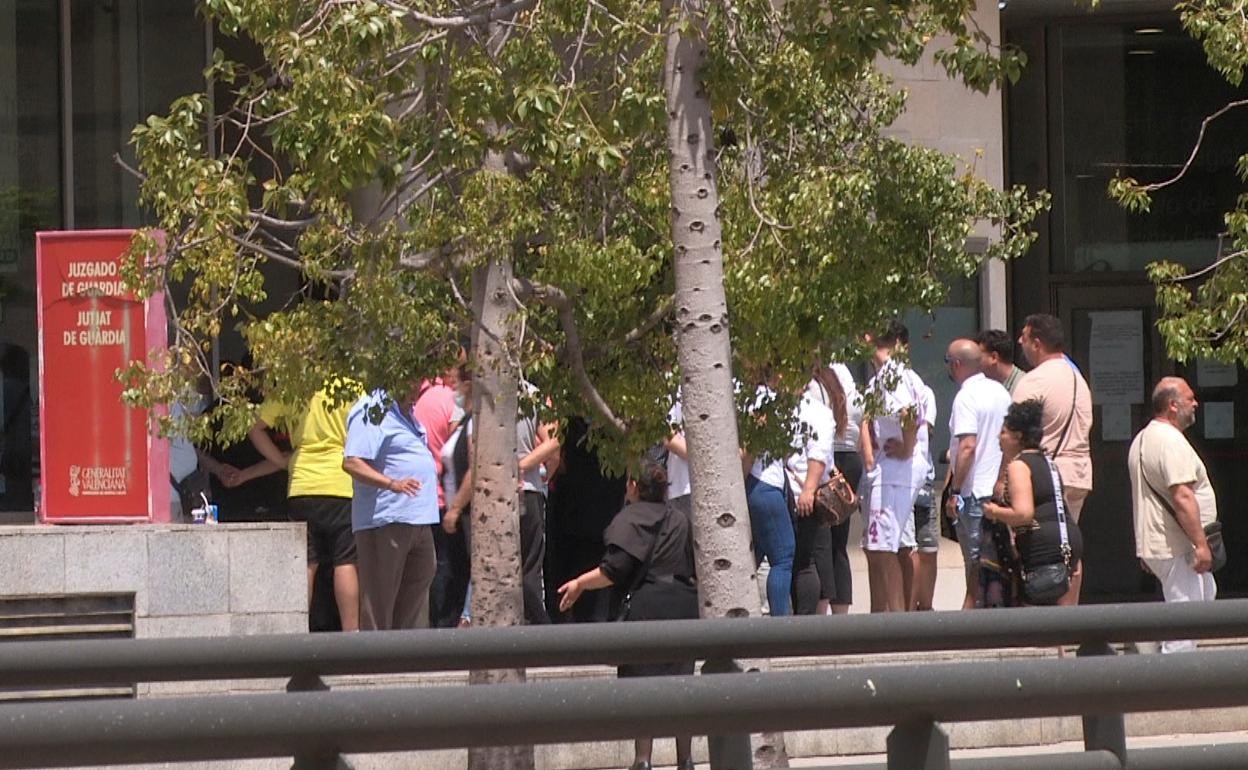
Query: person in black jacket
583, 501
649, 561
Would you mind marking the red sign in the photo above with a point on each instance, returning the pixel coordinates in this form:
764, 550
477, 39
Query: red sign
100, 462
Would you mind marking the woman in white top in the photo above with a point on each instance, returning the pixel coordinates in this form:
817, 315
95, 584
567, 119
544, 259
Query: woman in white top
831, 555
780, 492
679, 491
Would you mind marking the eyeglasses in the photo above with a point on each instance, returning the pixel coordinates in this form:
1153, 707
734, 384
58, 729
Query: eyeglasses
949, 360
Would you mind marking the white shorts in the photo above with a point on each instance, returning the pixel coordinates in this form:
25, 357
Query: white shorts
889, 509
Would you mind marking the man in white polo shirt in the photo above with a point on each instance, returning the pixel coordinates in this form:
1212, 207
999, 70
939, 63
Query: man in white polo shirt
974, 453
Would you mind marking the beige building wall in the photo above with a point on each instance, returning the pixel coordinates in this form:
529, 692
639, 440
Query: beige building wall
944, 114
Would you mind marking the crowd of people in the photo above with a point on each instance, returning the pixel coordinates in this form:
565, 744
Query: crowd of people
384, 483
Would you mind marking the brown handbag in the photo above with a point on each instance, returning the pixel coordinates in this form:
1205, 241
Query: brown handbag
835, 500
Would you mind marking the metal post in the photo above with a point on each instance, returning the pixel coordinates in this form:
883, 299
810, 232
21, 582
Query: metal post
310, 681
728, 752
1104, 732
918, 746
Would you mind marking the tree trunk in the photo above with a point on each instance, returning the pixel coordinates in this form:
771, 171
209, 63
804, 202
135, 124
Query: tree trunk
728, 583
495, 517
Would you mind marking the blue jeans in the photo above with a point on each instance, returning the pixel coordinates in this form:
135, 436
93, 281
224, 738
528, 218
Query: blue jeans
772, 529
970, 527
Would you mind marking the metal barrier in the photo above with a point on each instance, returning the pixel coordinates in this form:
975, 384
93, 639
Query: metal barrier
319, 726
389, 652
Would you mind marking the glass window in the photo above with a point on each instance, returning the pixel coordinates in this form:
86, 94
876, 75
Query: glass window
30, 200
1130, 100
131, 58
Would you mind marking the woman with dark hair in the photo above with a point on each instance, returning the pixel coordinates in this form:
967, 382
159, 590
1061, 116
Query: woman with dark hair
831, 555
649, 561
1032, 501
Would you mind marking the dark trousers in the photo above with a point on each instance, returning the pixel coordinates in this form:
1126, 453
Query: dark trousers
396, 564
450, 580
836, 577
807, 531
533, 556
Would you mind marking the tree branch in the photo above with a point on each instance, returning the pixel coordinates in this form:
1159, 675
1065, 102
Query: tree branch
1200, 139
126, 167
1219, 262
556, 298
654, 319
478, 19
282, 259
282, 224
423, 260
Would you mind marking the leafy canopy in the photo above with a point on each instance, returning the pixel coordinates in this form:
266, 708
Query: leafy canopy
383, 149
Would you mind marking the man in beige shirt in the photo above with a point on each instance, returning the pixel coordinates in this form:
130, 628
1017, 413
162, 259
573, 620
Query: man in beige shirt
1067, 400
1173, 501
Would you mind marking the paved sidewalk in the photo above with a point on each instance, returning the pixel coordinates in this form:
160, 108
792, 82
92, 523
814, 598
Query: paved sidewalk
950, 576
1158, 741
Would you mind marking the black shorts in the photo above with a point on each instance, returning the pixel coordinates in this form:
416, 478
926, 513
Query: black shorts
329, 528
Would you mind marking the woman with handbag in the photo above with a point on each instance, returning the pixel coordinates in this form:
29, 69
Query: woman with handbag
805, 470
649, 561
831, 554
1032, 504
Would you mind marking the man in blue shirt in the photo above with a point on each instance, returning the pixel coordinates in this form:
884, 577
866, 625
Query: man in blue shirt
393, 511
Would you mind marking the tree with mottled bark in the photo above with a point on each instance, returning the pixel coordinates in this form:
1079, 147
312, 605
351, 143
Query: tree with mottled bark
624, 202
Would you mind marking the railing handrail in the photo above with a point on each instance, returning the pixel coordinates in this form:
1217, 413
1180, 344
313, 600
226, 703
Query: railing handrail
424, 718
119, 662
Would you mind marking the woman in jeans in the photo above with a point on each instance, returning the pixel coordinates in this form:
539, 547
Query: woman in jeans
790, 549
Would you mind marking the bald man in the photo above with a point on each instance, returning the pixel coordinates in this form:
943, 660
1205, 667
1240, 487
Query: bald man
1173, 501
974, 455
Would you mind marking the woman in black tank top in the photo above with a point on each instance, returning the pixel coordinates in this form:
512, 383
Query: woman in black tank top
1031, 495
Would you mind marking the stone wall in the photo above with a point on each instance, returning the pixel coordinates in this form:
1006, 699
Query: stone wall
187, 580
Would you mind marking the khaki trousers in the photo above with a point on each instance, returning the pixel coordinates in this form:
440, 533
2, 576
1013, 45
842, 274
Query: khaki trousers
396, 564
1075, 498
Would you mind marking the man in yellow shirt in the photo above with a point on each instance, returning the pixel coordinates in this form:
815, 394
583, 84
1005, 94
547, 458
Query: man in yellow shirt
320, 491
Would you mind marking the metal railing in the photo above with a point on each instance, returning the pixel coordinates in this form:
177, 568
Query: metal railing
318, 726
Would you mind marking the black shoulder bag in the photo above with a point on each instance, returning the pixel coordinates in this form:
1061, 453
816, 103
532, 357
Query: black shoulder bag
644, 571
1049, 582
1213, 530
